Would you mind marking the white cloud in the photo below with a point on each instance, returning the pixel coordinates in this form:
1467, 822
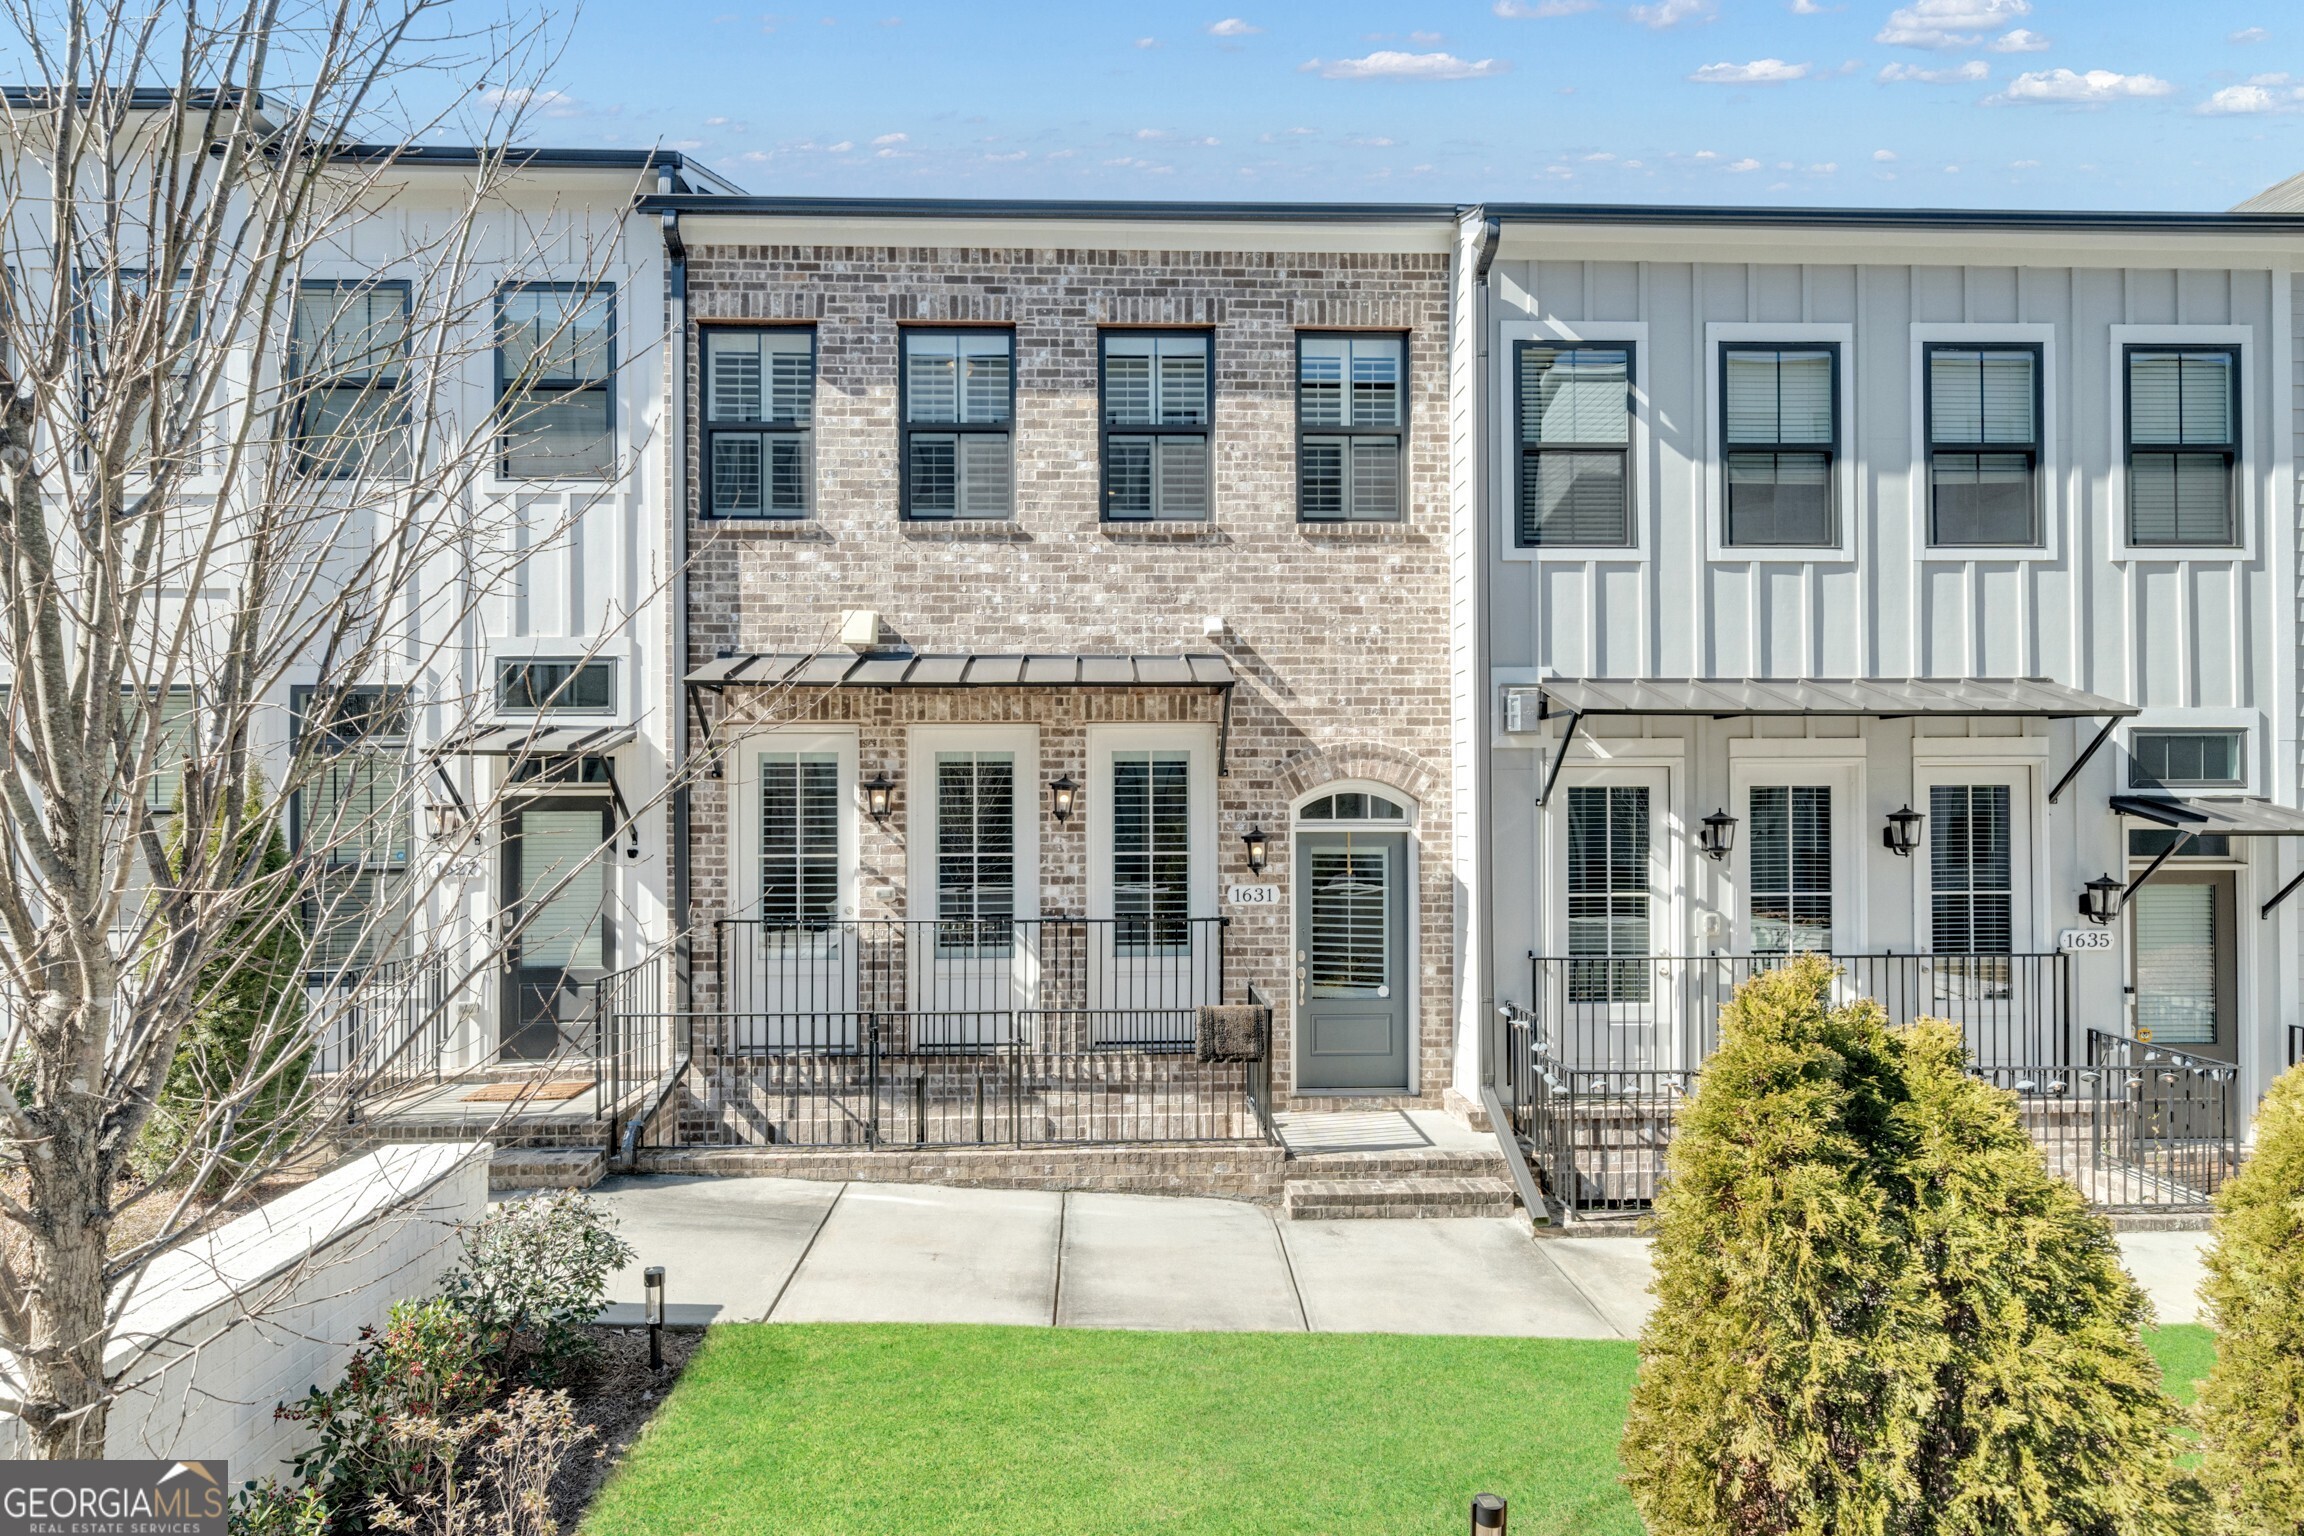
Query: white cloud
2264, 93
1427, 39
1147, 42
1949, 23
1521, 10
2247, 35
1758, 72
887, 139
1151, 133
2019, 40
2023, 165
1825, 168
1744, 165
841, 148
1973, 70
2063, 87
1883, 155
1232, 26
1810, 8
1670, 13
1388, 64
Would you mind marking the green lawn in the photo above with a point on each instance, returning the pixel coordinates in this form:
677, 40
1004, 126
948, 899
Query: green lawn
1024, 1431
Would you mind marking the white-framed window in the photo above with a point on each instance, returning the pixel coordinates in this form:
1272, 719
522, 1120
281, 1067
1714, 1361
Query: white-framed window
1780, 479
1983, 424
1351, 427
759, 419
348, 364
555, 685
1573, 413
793, 828
1799, 858
2191, 752
2183, 435
959, 391
1151, 814
973, 802
555, 372
1972, 901
1158, 389
1609, 895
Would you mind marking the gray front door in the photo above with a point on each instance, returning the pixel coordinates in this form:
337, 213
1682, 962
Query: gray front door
1351, 972
556, 913
2183, 967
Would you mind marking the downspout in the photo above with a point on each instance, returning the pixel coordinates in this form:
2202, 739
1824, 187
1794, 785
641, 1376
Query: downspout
1484, 851
676, 543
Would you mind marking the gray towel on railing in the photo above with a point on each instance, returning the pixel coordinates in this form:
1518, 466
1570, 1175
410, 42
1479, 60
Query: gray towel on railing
1232, 1032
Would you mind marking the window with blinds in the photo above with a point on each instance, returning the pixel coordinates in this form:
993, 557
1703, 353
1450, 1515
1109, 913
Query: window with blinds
1983, 407
2183, 444
759, 416
1157, 407
564, 889
799, 840
1350, 424
1791, 868
1971, 870
959, 414
1780, 414
975, 851
1608, 938
2174, 931
351, 820
555, 355
1151, 852
1350, 922
348, 371
1574, 411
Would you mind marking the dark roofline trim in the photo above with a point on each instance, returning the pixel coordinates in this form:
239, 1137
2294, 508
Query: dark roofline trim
2052, 220
1050, 208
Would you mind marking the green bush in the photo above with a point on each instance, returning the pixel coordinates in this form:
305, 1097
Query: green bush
1877, 1313
270, 1508
533, 1276
2252, 1406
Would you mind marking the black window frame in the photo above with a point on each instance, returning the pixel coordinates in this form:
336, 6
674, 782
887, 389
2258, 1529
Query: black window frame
707, 429
2229, 451
1397, 433
306, 463
1833, 450
2035, 451
387, 727
1523, 452
1106, 430
2238, 734
905, 427
606, 385
500, 666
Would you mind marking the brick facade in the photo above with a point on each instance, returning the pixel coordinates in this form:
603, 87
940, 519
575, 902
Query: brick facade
1338, 632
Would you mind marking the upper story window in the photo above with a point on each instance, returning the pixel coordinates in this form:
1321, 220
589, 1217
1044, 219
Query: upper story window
1781, 426
759, 409
1157, 405
959, 423
1983, 408
2186, 759
1575, 428
555, 356
545, 685
348, 360
352, 819
2183, 444
1350, 418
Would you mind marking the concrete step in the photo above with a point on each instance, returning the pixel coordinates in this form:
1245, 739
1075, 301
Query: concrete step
518, 1168
1397, 1198
1428, 1162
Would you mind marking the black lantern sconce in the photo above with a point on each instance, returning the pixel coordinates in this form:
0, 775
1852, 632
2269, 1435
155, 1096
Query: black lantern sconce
2100, 900
448, 821
877, 790
1258, 849
1063, 794
1718, 838
1902, 834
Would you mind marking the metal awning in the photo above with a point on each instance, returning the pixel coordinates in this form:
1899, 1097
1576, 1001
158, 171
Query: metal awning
1874, 698
538, 740
2237, 817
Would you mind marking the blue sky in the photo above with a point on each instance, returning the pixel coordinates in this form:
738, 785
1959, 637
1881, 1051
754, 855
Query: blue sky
1978, 103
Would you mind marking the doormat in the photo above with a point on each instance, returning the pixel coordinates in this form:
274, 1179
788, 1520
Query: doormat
553, 1092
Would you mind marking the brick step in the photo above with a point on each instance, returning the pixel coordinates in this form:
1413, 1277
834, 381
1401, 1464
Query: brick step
1398, 1198
1393, 1165
520, 1168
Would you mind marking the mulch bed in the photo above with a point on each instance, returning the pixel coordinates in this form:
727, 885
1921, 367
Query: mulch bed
617, 1400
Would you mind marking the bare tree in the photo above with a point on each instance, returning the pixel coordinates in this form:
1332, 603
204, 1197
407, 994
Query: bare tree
245, 522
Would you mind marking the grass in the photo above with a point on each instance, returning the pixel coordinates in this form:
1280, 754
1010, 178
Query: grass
1035, 1432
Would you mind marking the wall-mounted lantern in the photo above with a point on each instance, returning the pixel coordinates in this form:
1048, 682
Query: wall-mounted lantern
877, 790
447, 820
1902, 834
1062, 795
1718, 838
2100, 901
1258, 849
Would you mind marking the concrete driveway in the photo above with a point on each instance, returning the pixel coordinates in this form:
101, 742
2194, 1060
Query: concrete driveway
794, 1250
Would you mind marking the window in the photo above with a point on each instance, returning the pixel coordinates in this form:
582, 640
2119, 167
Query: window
351, 821
1351, 949
1157, 404
2186, 760
1791, 868
2183, 444
1983, 407
959, 413
2151, 842
1352, 805
179, 737
348, 360
533, 685
1780, 417
1151, 852
759, 406
555, 354
1608, 894
975, 850
1575, 415
1971, 870
1349, 423
799, 839
92, 321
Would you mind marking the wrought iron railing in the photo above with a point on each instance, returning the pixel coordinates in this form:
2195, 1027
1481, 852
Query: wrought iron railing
378, 1031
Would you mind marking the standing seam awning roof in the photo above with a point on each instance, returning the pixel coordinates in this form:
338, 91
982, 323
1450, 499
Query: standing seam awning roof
840, 669
2239, 817
537, 740
1873, 696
